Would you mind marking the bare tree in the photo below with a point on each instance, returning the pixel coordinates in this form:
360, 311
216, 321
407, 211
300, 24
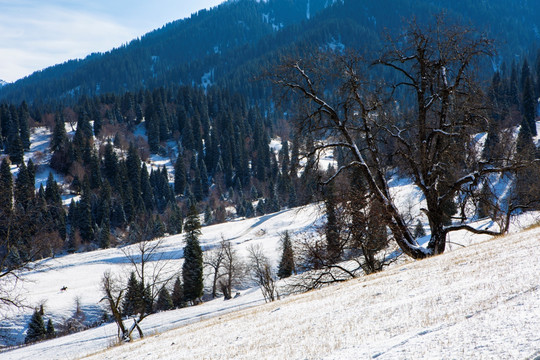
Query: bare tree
214, 259
151, 265
153, 271
262, 273
227, 268
233, 269
426, 123
113, 296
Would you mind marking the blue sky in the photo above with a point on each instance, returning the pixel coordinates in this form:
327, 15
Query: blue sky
35, 34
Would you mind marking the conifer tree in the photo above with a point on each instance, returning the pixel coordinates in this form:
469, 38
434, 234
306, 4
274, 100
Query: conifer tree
146, 190
133, 167
333, 247
179, 176
529, 104
164, 301
55, 207
105, 233
36, 328
177, 295
50, 331
286, 264
31, 168
204, 176
198, 185
192, 269
419, 230
174, 220
84, 214
526, 178
133, 300
21, 191
15, 149
110, 163
83, 126
95, 172
6, 188
24, 116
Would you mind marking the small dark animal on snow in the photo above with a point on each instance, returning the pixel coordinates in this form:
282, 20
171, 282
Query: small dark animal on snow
63, 288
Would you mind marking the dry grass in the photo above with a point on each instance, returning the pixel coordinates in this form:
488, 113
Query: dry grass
442, 305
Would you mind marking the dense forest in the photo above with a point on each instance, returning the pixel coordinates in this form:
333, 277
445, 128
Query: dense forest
128, 105
233, 42
219, 147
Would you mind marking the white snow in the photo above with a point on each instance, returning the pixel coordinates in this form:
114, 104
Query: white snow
207, 79
477, 302
82, 273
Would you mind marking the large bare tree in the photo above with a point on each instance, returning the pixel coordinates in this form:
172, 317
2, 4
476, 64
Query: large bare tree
425, 121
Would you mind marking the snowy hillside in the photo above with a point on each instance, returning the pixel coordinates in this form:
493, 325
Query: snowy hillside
480, 302
477, 302
82, 273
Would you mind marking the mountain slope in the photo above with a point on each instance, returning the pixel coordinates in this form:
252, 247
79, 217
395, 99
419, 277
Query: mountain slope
477, 302
474, 303
239, 38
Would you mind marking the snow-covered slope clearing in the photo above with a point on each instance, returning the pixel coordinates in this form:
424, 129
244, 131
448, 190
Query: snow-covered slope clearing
81, 274
478, 302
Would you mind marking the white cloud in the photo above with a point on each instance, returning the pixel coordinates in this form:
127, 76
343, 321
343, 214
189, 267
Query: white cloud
36, 34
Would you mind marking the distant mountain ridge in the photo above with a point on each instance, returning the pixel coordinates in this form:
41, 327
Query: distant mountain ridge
230, 43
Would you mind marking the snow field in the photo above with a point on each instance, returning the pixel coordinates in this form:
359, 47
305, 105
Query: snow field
479, 302
82, 272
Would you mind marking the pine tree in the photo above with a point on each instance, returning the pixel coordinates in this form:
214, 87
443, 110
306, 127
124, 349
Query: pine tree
24, 132
197, 182
83, 126
174, 220
419, 230
55, 207
36, 328
84, 214
110, 164
95, 171
332, 232
133, 300
6, 188
192, 269
164, 301
146, 190
527, 177
15, 147
529, 104
23, 194
286, 264
50, 331
179, 176
133, 167
204, 177
105, 233
177, 295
